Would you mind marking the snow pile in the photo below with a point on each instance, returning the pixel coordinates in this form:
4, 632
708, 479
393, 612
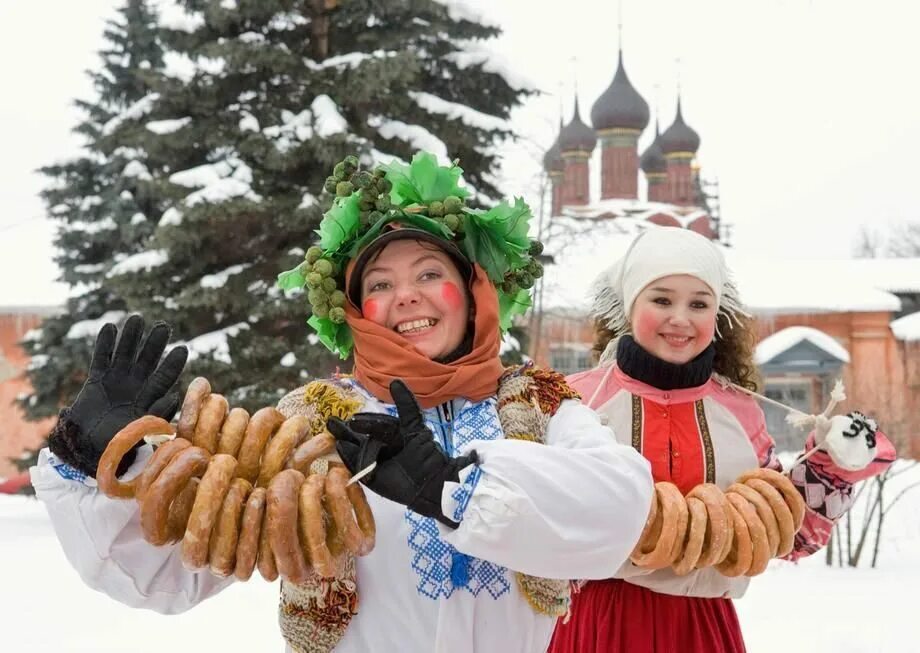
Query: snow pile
797, 608
773, 345
106, 224
89, 328
907, 328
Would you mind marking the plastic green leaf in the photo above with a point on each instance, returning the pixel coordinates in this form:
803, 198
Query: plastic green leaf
435, 182
423, 181
336, 337
513, 222
292, 278
497, 239
341, 222
403, 191
511, 305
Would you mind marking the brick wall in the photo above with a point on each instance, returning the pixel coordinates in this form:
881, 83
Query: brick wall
16, 434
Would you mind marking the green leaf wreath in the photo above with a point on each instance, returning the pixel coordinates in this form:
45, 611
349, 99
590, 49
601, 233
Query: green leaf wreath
426, 196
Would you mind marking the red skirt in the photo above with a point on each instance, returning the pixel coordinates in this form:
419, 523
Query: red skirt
612, 616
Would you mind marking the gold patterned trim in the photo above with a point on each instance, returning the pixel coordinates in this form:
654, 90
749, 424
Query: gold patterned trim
708, 453
637, 423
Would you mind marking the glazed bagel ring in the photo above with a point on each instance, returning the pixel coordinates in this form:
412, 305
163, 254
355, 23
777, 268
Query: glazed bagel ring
695, 534
764, 512
206, 500
714, 542
670, 503
791, 496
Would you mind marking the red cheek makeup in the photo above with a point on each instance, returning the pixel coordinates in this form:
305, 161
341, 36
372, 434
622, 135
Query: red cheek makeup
369, 309
451, 295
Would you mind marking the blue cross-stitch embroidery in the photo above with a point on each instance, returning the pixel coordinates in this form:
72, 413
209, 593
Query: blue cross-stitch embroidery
70, 473
464, 493
440, 568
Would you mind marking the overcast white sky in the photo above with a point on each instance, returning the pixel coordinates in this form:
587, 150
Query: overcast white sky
807, 109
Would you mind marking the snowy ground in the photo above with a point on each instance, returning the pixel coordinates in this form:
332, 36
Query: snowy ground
806, 608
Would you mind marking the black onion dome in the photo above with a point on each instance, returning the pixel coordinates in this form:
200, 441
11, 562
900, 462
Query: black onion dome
577, 136
679, 137
620, 106
652, 160
552, 160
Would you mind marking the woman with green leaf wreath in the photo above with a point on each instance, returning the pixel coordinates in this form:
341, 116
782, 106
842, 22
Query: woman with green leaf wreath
490, 488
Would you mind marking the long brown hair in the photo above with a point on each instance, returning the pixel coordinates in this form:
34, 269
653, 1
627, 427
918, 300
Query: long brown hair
734, 348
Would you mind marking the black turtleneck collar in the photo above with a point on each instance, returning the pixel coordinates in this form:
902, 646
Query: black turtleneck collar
643, 366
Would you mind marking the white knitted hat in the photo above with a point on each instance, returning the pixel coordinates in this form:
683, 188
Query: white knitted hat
655, 253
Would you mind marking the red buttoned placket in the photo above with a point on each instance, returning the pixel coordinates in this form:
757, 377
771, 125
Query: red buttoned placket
672, 441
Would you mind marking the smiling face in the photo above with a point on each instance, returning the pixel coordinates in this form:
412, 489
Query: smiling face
416, 290
674, 318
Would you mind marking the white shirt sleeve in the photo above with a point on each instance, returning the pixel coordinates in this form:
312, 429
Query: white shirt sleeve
103, 541
573, 508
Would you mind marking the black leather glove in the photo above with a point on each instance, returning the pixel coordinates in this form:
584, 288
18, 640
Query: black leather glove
120, 388
411, 467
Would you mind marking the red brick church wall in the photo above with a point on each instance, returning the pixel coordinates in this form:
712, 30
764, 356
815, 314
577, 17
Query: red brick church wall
16, 434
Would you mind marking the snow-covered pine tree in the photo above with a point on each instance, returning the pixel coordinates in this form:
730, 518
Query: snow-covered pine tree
103, 211
256, 103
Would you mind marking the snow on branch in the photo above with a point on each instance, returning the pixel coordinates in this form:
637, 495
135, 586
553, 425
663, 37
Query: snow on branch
219, 279
134, 112
137, 170
182, 67
327, 120
140, 261
475, 54
350, 59
418, 137
214, 343
460, 10
162, 127
217, 182
89, 328
174, 16
454, 111
106, 224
